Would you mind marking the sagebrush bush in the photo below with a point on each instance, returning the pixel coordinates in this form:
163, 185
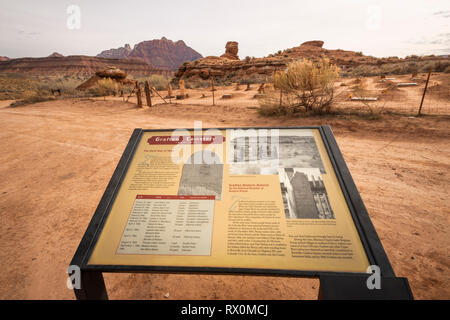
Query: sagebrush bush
30, 97
305, 86
105, 87
158, 81
253, 78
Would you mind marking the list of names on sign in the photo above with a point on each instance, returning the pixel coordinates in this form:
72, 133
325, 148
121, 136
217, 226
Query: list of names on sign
169, 225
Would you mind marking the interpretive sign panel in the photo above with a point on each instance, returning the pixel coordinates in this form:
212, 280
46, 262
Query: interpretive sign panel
230, 200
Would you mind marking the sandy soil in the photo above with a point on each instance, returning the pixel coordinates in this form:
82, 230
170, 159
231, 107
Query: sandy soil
57, 158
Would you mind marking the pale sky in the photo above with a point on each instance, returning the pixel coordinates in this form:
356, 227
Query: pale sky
375, 27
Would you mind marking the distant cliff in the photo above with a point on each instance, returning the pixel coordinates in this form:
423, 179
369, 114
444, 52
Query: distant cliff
119, 53
75, 66
162, 53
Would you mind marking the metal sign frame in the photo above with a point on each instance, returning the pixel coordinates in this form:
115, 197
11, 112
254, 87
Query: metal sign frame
92, 284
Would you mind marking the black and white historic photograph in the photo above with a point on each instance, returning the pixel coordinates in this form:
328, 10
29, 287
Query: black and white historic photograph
299, 152
202, 178
256, 155
248, 168
304, 194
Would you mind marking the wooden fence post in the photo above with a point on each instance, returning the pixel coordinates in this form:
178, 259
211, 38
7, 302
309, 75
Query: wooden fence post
182, 89
212, 89
424, 91
169, 92
138, 95
147, 93
281, 97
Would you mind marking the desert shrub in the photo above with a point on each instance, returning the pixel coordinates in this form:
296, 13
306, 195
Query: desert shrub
412, 67
447, 69
363, 71
441, 65
103, 88
436, 66
30, 97
306, 86
66, 84
158, 81
19, 86
253, 78
195, 83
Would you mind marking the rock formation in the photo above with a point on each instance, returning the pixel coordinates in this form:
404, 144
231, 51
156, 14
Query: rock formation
162, 54
4, 58
314, 43
223, 68
56, 55
119, 53
231, 50
111, 72
228, 66
75, 66
114, 73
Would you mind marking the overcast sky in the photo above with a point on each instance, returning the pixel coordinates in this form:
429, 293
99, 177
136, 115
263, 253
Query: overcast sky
375, 27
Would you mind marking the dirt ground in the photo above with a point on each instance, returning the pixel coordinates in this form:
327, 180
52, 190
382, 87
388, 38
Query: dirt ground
57, 158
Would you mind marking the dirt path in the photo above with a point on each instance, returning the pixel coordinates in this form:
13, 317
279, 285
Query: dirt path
57, 158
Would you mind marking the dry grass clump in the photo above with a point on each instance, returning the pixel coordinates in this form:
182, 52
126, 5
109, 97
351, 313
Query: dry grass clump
25, 87
155, 80
305, 86
104, 87
398, 68
30, 96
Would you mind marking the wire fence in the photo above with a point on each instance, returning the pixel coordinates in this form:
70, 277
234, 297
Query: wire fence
395, 95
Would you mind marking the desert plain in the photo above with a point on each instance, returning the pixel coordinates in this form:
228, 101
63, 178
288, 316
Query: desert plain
58, 156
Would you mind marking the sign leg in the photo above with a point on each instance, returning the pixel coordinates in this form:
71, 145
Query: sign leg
92, 286
352, 287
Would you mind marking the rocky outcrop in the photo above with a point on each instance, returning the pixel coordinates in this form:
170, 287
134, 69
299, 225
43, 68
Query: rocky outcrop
162, 54
78, 66
119, 53
223, 68
231, 50
229, 67
111, 72
314, 43
4, 58
119, 76
55, 55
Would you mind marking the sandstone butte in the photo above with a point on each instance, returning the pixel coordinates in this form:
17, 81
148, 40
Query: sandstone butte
161, 53
229, 67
